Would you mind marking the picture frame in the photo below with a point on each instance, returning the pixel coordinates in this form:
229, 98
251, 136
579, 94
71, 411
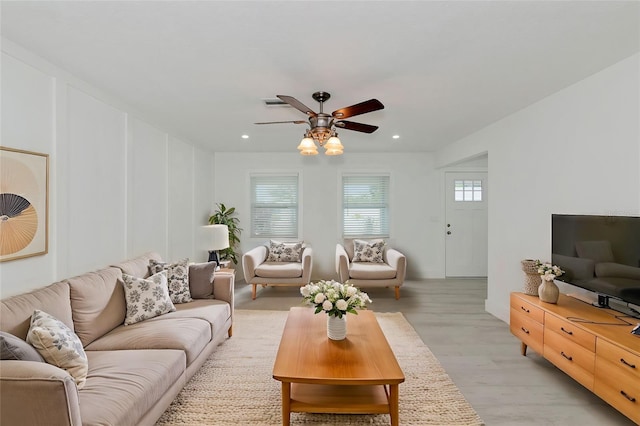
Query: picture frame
24, 204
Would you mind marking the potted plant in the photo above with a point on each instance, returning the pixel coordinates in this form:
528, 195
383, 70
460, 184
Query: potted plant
225, 216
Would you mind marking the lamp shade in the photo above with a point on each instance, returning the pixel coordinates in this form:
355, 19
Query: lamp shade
220, 236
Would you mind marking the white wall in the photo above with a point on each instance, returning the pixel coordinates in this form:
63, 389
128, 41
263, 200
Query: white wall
119, 185
415, 202
577, 151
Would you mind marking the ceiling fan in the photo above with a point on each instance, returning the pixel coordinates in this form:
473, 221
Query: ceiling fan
322, 125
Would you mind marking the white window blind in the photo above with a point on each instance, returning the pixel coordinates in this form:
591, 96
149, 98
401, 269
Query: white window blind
274, 206
365, 204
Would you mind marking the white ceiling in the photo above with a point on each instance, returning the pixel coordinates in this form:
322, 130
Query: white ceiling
443, 69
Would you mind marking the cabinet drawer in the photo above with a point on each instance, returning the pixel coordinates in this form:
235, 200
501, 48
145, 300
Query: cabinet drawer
570, 357
527, 330
627, 362
570, 332
616, 386
527, 309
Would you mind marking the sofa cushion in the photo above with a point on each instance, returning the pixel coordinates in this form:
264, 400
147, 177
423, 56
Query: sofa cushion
16, 311
201, 279
12, 347
146, 298
97, 303
368, 251
280, 251
190, 335
279, 270
58, 345
215, 312
122, 386
138, 266
177, 278
371, 271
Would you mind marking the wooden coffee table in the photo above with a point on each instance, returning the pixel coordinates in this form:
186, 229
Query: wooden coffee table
357, 375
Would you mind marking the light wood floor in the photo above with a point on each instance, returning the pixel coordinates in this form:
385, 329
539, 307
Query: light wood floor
478, 352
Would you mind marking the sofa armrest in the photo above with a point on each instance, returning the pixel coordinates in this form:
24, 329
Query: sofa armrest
342, 263
397, 261
37, 393
223, 287
251, 260
307, 264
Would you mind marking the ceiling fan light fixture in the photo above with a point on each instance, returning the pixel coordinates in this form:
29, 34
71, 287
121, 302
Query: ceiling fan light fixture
306, 143
334, 143
307, 146
334, 151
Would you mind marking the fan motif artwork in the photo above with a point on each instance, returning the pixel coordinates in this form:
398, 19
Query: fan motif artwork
24, 203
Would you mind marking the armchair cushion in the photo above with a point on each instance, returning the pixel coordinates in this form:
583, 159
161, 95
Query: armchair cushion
279, 270
368, 251
371, 271
284, 251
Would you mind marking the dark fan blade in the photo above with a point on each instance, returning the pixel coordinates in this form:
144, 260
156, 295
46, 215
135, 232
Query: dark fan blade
279, 122
357, 109
297, 105
358, 127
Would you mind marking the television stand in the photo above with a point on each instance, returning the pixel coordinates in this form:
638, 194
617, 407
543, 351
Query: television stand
592, 345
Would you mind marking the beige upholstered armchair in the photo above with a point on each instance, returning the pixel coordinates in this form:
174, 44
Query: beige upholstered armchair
370, 263
278, 264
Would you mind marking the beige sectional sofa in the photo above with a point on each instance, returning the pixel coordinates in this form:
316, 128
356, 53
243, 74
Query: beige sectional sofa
134, 371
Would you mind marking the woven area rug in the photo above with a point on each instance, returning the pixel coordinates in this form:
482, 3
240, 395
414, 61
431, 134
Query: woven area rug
235, 386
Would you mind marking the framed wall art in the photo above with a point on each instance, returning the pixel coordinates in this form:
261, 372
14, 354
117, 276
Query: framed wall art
24, 204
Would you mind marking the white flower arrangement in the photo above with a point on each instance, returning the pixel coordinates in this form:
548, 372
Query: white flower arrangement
334, 298
547, 271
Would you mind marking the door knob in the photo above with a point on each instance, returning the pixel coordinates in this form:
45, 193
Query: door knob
448, 232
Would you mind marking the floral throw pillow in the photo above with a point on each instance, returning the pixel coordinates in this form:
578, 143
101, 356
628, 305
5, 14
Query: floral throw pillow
177, 278
146, 297
58, 345
284, 252
368, 251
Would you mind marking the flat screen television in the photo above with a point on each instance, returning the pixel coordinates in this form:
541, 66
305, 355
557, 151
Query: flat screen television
600, 254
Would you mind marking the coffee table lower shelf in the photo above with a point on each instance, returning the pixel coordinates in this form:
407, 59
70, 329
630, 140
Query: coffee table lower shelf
352, 399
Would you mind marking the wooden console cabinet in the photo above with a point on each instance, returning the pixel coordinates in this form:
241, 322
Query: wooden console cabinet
590, 344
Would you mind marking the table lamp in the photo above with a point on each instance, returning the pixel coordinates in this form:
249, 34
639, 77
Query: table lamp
220, 242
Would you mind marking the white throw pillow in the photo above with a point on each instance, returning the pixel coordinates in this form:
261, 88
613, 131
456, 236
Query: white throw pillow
177, 278
146, 298
58, 345
368, 251
284, 252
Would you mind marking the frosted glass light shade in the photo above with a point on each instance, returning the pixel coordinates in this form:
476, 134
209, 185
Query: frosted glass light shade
334, 146
307, 147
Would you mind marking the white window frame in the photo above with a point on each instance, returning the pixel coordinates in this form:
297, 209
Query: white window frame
280, 233
384, 203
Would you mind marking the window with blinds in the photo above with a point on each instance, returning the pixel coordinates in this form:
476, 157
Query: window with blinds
365, 205
274, 206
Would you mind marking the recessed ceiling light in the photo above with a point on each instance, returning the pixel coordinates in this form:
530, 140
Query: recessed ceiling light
396, 136
245, 136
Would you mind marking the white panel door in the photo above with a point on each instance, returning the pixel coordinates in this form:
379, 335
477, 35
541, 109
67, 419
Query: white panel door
466, 224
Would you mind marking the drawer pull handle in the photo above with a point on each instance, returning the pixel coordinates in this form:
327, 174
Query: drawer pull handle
570, 333
627, 364
630, 398
566, 356
525, 330
524, 309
